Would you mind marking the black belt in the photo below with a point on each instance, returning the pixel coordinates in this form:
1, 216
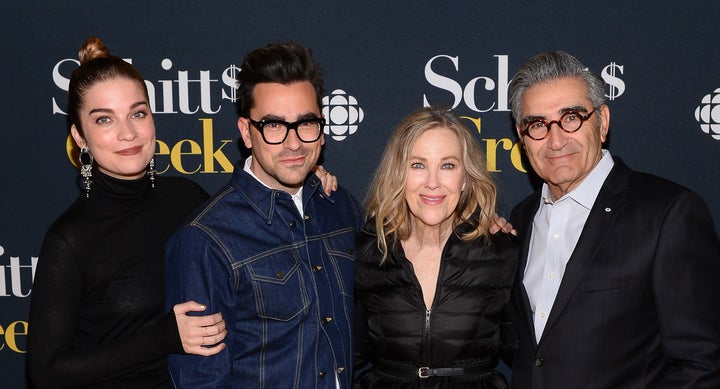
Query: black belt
481, 369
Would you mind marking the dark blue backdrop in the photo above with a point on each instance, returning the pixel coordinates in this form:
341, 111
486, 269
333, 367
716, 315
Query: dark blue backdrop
382, 60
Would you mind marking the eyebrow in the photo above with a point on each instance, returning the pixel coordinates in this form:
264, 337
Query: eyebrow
308, 115
561, 111
108, 110
445, 158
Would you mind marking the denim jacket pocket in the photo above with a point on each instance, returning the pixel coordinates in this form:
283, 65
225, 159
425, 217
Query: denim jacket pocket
280, 292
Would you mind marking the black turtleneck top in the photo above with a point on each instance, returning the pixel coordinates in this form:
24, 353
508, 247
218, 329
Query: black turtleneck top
96, 314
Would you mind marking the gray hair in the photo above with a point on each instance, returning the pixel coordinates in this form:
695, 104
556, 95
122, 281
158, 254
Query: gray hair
550, 66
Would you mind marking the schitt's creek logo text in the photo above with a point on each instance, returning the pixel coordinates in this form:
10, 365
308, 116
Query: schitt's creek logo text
16, 277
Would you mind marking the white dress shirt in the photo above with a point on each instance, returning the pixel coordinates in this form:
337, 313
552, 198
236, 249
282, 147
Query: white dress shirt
556, 229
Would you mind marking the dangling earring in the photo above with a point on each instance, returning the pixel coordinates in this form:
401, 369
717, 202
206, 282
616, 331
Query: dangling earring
151, 172
86, 161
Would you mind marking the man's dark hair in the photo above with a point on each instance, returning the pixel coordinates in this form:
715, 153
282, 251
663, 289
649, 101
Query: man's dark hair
283, 63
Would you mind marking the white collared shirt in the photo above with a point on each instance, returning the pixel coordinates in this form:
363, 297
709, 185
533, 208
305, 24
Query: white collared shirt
296, 198
556, 229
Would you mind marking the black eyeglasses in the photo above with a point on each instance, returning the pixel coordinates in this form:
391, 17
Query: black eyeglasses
275, 132
570, 121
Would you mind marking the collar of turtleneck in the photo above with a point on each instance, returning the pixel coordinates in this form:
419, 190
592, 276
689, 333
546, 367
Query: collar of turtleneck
110, 189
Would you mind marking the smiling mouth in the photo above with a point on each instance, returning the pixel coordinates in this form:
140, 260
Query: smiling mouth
130, 151
298, 160
432, 199
556, 157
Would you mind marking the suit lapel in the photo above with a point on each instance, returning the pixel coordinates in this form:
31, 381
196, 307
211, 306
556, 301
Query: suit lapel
607, 207
524, 213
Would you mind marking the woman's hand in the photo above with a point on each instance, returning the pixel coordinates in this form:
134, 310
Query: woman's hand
501, 224
329, 182
200, 335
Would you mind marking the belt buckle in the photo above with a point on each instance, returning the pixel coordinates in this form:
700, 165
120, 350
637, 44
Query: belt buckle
421, 372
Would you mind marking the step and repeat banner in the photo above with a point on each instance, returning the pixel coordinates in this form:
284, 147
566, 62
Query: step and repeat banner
382, 60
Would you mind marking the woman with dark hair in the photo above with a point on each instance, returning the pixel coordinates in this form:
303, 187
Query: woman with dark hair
431, 279
96, 316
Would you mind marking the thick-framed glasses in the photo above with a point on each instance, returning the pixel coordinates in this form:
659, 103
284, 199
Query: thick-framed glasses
275, 132
570, 121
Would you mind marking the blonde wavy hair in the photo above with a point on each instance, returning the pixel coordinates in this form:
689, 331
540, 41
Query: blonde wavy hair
385, 201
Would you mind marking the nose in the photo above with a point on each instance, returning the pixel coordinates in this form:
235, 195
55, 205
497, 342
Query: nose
292, 141
126, 131
556, 139
432, 181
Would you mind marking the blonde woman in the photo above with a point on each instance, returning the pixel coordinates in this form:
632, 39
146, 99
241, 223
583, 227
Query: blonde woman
430, 278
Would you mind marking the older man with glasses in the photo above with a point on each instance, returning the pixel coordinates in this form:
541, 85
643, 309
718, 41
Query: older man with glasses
619, 278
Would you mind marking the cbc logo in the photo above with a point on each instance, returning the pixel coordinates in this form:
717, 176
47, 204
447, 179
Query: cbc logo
708, 114
342, 113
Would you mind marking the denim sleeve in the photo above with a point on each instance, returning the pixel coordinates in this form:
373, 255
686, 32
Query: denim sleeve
196, 269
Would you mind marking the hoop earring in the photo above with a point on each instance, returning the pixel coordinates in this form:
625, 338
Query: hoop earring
151, 172
86, 162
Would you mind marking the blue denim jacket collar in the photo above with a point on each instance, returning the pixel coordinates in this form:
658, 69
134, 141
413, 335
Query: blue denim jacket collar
262, 199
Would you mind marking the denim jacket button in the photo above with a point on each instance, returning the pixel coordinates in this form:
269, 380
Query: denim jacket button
307, 217
293, 224
281, 275
340, 369
326, 320
322, 374
317, 268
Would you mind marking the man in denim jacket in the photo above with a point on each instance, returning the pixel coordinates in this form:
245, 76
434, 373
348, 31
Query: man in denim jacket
271, 251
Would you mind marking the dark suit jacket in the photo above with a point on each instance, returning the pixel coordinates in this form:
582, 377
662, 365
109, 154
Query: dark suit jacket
639, 303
